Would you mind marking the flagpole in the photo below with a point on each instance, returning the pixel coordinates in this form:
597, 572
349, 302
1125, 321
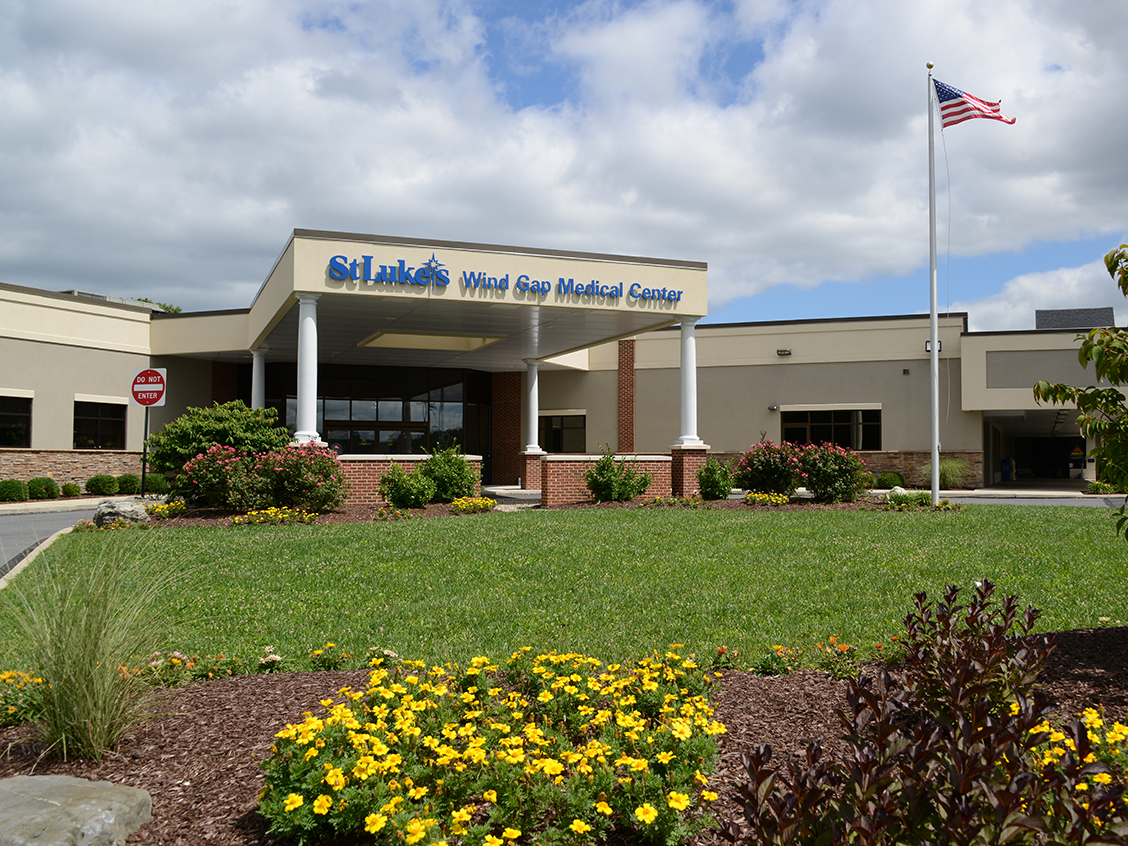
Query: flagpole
934, 359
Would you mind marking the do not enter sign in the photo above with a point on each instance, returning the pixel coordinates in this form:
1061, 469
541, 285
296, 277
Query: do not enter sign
148, 387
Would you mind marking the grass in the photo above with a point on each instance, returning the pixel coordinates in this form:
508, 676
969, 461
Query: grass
614, 584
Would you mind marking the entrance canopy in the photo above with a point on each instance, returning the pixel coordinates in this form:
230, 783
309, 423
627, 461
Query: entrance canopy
424, 303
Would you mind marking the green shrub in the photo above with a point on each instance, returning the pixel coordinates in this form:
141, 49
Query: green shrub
87, 615
102, 484
453, 475
831, 473
404, 490
954, 473
768, 467
714, 480
71, 489
157, 483
866, 480
890, 479
551, 749
42, 488
609, 481
949, 754
13, 490
128, 484
232, 425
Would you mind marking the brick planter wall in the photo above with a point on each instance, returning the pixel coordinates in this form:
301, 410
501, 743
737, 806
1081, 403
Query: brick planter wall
562, 476
363, 473
67, 465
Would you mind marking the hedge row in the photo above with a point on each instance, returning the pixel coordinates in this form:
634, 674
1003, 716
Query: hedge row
17, 490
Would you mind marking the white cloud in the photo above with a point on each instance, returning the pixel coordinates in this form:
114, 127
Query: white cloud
1088, 286
166, 150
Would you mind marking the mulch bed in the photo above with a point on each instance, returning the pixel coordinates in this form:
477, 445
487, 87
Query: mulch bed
199, 761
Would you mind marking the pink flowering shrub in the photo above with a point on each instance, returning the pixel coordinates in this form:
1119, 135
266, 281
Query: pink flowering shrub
832, 473
306, 476
769, 467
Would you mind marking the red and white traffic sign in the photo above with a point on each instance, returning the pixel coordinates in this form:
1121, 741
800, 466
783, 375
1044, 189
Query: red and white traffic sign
148, 387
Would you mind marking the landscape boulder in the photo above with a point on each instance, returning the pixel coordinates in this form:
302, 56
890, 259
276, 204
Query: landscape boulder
66, 811
120, 510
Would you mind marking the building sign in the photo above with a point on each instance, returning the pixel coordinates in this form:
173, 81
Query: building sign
434, 273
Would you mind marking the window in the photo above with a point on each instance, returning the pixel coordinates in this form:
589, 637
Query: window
15, 421
99, 425
563, 433
857, 430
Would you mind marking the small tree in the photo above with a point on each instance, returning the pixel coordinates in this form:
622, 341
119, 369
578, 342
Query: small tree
1103, 411
232, 424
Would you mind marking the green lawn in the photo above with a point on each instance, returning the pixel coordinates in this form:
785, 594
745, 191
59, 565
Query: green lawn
615, 583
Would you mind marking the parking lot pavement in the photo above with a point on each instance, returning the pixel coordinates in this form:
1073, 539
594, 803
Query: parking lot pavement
21, 531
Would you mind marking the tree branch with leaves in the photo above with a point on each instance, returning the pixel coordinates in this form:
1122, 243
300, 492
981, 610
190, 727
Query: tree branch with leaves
1103, 411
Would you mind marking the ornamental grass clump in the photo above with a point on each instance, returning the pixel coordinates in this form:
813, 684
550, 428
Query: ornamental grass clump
552, 748
86, 612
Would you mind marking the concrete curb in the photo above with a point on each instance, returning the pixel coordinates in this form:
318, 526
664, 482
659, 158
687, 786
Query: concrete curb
31, 556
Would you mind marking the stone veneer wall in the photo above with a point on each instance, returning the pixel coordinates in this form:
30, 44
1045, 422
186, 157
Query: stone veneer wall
909, 463
67, 465
906, 462
505, 431
562, 476
363, 474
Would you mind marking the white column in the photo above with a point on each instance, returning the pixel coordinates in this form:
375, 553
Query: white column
532, 409
688, 385
258, 378
307, 369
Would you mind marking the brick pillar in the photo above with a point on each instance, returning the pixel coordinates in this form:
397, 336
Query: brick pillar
531, 467
684, 464
505, 431
626, 396
225, 381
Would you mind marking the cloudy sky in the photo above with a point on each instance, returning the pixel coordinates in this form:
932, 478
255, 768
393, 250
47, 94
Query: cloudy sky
166, 149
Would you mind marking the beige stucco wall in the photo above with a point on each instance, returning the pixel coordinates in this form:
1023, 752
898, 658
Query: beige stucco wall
595, 394
189, 383
31, 315
190, 334
60, 373
999, 369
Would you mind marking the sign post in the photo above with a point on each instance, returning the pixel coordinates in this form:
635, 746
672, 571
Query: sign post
147, 390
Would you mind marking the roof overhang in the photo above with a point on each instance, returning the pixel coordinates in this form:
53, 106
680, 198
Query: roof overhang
422, 303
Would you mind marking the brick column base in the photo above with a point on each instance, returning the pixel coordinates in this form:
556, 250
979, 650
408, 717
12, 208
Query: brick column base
684, 464
531, 476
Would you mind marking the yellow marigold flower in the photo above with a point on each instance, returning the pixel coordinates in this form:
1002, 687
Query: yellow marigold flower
646, 813
493, 841
580, 827
414, 831
708, 796
1102, 778
322, 804
677, 801
665, 757
293, 801
490, 795
700, 779
374, 822
417, 793
544, 696
511, 833
1082, 786
605, 809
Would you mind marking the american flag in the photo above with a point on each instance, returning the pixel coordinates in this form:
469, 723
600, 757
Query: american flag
957, 106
